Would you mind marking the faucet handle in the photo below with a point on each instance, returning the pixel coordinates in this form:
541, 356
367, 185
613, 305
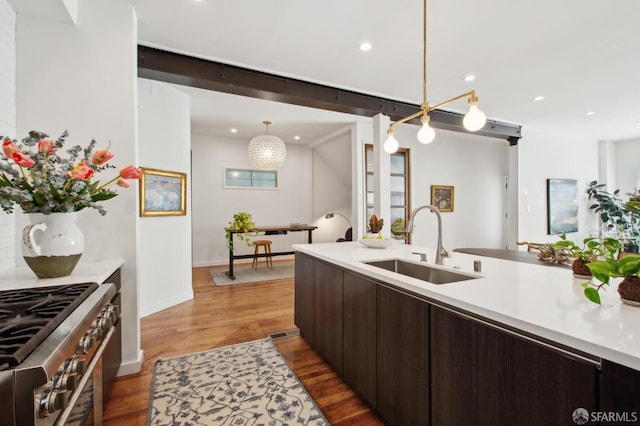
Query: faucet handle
423, 256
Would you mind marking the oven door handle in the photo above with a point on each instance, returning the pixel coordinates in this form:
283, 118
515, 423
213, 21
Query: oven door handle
97, 358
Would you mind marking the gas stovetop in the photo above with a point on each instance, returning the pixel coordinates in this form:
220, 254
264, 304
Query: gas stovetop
28, 316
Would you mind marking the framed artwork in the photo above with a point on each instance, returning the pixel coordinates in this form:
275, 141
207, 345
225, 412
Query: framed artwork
562, 206
163, 193
442, 197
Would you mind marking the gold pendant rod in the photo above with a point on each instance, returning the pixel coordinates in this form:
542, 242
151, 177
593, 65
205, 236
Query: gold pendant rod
425, 110
471, 95
424, 57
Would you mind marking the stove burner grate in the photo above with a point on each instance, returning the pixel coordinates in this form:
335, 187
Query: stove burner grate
28, 316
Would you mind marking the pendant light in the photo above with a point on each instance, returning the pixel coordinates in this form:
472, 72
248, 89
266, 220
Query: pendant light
473, 120
267, 152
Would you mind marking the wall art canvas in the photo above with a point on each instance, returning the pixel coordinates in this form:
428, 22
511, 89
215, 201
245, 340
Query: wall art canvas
562, 206
163, 193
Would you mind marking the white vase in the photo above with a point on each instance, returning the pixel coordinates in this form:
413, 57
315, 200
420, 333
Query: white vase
52, 244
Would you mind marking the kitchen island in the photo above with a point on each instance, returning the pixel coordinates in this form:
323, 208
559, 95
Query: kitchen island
516, 338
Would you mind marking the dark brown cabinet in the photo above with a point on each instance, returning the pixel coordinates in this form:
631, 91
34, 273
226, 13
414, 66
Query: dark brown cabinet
418, 362
359, 353
494, 377
620, 391
304, 296
403, 358
328, 326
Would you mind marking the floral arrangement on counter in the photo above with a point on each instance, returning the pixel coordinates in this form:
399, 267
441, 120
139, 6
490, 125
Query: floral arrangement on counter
35, 177
375, 224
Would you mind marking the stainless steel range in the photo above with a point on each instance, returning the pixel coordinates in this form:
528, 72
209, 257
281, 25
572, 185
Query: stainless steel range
52, 344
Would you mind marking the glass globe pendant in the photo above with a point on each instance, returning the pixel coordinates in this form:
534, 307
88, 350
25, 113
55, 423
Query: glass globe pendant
267, 152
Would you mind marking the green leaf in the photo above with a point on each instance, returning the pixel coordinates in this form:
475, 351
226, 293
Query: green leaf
102, 196
39, 198
601, 267
592, 294
629, 265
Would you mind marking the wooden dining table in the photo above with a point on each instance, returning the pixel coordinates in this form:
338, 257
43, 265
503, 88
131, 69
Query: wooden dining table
266, 230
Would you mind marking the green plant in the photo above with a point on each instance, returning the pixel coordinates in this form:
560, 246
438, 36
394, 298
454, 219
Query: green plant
242, 223
615, 214
607, 206
35, 177
375, 224
398, 227
604, 270
592, 249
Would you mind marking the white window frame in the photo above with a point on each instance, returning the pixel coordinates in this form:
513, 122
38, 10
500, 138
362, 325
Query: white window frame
251, 186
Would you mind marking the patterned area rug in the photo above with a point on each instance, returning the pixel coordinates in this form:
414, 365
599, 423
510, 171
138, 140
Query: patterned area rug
244, 273
249, 384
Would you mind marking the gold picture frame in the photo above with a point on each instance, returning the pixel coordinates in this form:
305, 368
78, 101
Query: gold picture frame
163, 193
442, 197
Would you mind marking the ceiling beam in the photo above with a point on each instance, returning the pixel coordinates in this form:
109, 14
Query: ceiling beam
170, 67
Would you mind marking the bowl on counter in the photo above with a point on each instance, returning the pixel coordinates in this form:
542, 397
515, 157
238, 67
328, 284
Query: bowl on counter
379, 243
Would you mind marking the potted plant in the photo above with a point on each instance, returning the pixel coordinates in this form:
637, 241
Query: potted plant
591, 250
242, 223
626, 267
615, 215
375, 224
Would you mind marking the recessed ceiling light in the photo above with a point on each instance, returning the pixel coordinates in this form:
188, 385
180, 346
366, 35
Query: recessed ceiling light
234, 130
591, 113
365, 47
296, 138
538, 98
469, 77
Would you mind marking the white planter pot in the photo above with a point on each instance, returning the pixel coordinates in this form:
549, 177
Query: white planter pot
52, 244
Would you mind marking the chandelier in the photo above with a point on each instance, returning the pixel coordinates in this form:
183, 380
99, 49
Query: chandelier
267, 152
473, 120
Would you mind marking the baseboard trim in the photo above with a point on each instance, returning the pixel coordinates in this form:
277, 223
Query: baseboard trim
133, 367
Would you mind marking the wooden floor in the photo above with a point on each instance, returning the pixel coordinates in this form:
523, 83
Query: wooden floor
220, 316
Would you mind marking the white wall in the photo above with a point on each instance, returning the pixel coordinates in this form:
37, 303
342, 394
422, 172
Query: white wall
475, 166
546, 155
165, 241
627, 170
214, 206
83, 78
7, 119
332, 192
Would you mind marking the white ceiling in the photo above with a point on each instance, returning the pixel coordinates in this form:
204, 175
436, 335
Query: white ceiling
581, 55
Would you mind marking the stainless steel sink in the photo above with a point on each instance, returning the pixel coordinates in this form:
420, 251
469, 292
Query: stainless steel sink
421, 271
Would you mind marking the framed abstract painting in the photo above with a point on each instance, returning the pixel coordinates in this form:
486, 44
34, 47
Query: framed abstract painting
562, 206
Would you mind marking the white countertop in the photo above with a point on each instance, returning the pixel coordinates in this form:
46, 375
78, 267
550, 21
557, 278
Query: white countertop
19, 278
541, 300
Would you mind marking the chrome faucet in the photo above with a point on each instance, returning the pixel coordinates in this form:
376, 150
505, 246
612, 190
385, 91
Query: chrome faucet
440, 250
423, 256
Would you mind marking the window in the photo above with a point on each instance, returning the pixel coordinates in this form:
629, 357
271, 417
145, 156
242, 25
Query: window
399, 190
241, 178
